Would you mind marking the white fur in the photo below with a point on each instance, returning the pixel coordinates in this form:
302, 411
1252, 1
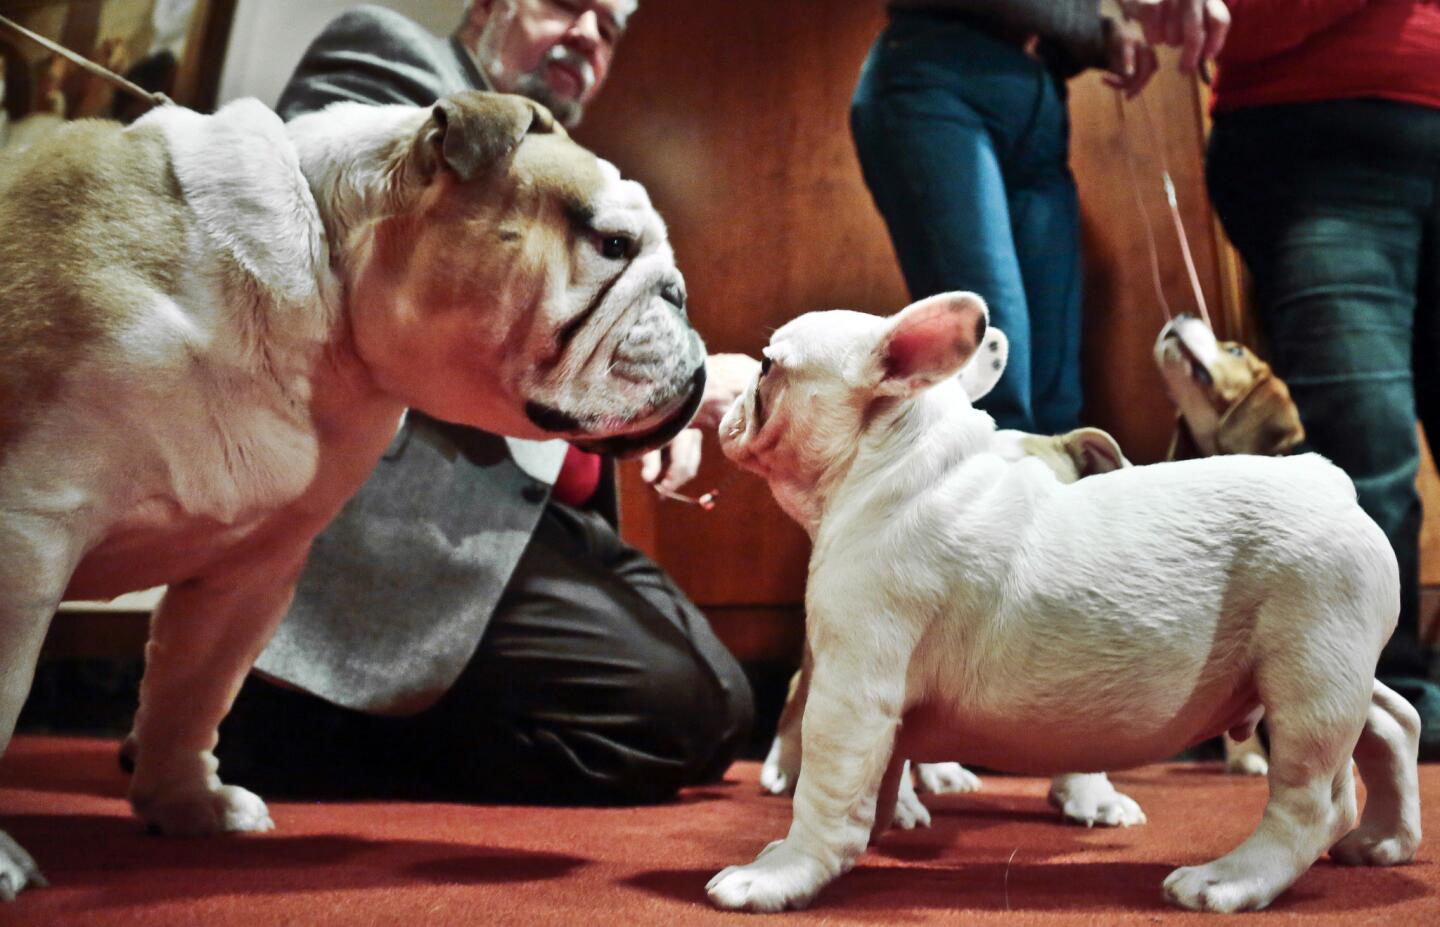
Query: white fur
962, 606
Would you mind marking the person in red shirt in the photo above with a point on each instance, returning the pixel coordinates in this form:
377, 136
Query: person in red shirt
1324, 167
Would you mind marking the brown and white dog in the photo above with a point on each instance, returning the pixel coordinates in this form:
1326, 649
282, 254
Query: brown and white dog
1229, 402
211, 326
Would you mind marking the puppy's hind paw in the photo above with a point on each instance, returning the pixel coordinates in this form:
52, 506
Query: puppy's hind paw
17, 869
1210, 888
780, 878
1090, 799
224, 810
945, 779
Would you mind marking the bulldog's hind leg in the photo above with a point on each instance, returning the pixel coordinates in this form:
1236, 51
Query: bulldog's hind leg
1387, 754
204, 638
849, 736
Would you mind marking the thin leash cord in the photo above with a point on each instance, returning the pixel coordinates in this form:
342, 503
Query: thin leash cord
1172, 203
154, 99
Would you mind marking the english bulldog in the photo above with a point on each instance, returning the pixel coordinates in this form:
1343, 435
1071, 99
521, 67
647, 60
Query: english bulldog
211, 327
968, 607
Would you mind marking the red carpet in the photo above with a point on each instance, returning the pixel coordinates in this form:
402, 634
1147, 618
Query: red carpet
997, 857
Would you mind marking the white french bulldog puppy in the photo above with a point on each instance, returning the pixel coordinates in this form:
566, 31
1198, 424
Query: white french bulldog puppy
963, 606
210, 327
1084, 798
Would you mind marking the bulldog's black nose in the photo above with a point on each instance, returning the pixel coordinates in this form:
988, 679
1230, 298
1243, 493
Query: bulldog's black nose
674, 294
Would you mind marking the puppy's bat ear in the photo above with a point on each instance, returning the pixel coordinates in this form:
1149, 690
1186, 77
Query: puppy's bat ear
929, 341
1094, 451
470, 132
980, 374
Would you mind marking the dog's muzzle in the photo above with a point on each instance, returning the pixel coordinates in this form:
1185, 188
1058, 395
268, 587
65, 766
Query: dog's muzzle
636, 444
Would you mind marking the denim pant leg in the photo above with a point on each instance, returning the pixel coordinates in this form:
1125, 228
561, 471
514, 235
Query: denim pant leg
962, 140
1331, 221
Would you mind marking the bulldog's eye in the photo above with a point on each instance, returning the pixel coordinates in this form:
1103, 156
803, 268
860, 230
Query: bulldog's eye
616, 247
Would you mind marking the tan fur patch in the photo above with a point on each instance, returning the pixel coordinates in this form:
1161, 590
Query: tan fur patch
92, 224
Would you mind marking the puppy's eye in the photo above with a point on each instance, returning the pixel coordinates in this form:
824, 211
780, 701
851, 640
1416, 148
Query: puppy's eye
765, 364
616, 247
1236, 350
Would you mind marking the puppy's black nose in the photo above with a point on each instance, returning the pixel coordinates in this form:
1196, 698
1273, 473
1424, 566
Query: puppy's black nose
674, 294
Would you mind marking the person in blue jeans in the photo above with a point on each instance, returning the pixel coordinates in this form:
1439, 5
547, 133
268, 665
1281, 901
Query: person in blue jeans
1324, 168
959, 119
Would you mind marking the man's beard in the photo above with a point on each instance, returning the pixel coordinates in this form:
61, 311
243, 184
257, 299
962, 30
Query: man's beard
533, 84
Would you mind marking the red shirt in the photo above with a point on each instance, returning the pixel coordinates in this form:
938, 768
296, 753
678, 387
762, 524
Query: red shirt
1296, 51
579, 477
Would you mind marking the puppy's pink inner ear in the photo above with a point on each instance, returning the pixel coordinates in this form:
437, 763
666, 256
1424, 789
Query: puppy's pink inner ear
931, 342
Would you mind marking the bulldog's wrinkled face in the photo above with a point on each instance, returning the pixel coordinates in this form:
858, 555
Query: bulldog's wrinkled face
528, 289
828, 377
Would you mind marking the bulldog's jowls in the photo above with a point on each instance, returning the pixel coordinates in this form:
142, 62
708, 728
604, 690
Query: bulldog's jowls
210, 327
962, 606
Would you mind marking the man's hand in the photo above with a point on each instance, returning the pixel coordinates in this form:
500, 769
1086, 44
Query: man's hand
675, 464
726, 376
1198, 27
1132, 60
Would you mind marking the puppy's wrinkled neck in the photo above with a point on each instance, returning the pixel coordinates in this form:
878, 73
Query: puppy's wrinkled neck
909, 444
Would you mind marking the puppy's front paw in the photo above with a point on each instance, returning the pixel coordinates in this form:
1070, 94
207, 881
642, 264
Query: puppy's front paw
1090, 799
781, 769
910, 811
1214, 887
781, 877
945, 779
17, 869
204, 812
1247, 764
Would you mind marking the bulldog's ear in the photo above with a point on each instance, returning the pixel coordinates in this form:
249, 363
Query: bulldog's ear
1094, 451
929, 341
980, 374
472, 131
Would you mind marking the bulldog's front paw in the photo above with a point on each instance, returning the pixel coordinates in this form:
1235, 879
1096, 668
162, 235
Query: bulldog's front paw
781, 877
1090, 799
945, 779
910, 811
17, 869
1368, 846
205, 812
1214, 887
781, 769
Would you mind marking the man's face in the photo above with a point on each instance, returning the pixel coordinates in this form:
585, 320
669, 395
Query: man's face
556, 52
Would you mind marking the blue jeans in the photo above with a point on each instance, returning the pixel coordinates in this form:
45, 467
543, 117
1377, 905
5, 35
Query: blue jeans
964, 141
1335, 207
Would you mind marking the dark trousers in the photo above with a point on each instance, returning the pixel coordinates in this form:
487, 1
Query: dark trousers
964, 142
1335, 207
597, 681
